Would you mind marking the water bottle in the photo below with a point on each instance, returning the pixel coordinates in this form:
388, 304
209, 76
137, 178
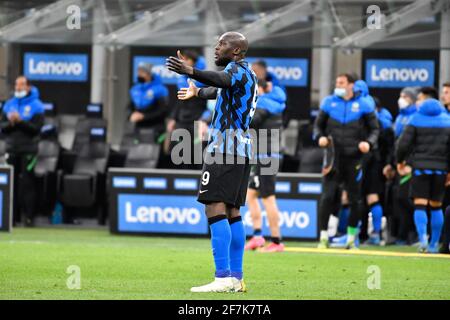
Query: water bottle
57, 214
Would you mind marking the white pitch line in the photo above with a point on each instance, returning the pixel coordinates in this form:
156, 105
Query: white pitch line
367, 253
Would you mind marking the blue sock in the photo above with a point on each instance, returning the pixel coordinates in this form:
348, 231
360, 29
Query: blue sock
220, 242
237, 247
437, 221
343, 219
377, 215
421, 221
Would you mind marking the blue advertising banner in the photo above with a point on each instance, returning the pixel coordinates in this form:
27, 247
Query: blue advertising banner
292, 72
383, 73
159, 68
161, 213
298, 219
56, 67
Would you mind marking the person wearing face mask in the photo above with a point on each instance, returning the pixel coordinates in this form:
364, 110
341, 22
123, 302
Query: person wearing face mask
186, 112
406, 108
401, 226
21, 121
352, 124
149, 100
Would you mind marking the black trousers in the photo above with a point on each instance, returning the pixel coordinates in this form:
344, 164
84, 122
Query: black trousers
25, 193
347, 172
403, 210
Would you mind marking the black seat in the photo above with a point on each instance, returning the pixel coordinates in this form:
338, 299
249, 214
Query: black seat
2, 152
85, 186
143, 155
92, 119
47, 157
45, 169
311, 160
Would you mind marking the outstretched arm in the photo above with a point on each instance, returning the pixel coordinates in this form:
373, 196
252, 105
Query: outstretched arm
218, 79
193, 91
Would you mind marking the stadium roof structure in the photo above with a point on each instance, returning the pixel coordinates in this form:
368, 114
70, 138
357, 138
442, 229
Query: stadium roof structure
269, 23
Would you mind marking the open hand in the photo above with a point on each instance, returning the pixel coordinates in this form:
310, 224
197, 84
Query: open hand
188, 93
179, 65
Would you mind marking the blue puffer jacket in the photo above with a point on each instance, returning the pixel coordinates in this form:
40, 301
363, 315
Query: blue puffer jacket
348, 122
182, 81
403, 118
426, 138
27, 106
144, 95
273, 102
23, 136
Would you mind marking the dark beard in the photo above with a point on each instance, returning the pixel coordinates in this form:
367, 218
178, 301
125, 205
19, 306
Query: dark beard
222, 62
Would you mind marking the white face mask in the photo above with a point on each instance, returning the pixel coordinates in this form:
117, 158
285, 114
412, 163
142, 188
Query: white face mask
403, 103
20, 94
340, 92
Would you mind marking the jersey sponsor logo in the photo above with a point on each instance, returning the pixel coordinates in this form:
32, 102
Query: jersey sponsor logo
291, 72
56, 67
161, 213
383, 73
298, 218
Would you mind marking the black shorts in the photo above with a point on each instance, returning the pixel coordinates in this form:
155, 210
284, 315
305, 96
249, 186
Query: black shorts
263, 183
373, 179
225, 182
428, 186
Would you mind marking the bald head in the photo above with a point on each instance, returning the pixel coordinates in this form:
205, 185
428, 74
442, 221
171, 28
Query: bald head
232, 46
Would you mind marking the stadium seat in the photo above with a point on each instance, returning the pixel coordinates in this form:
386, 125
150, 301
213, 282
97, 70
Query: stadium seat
311, 160
85, 186
46, 167
93, 119
2, 152
143, 155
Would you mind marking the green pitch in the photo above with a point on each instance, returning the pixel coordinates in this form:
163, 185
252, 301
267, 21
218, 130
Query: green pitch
34, 262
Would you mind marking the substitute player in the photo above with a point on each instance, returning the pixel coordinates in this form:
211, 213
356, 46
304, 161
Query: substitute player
426, 139
224, 184
268, 116
352, 124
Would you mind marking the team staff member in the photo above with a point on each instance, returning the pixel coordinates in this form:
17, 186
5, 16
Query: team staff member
445, 248
345, 118
21, 121
224, 185
186, 112
262, 73
375, 161
268, 116
426, 140
445, 97
402, 224
149, 100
